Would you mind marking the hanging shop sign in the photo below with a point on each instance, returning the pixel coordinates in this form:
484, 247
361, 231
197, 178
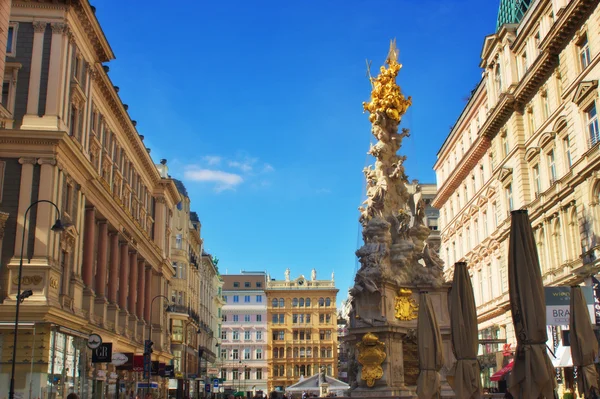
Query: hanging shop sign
138, 363
558, 303
94, 341
103, 353
596, 288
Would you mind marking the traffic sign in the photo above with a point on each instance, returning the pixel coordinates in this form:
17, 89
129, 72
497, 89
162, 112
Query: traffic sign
207, 388
216, 383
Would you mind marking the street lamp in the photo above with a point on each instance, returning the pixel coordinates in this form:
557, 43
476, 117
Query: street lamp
150, 340
21, 296
185, 354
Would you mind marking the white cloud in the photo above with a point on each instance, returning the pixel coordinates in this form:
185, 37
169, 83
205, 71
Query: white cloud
212, 159
267, 168
224, 180
245, 166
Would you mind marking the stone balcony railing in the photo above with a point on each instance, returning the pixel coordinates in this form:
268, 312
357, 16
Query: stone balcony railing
282, 284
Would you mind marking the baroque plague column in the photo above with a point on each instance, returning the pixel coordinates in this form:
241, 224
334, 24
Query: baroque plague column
396, 264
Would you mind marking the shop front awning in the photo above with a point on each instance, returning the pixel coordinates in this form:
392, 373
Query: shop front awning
498, 375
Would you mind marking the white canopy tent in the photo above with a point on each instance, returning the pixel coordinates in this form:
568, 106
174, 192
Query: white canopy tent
311, 385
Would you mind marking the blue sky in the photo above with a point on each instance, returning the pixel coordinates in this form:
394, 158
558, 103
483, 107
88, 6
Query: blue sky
257, 106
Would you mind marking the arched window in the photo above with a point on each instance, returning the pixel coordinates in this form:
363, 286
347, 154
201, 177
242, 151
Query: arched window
297, 371
274, 302
302, 352
321, 301
295, 353
301, 302
303, 370
323, 353
275, 353
307, 303
281, 303
327, 302
329, 352
308, 370
308, 352
295, 302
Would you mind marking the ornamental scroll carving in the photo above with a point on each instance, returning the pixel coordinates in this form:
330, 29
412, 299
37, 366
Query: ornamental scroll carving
371, 354
28, 280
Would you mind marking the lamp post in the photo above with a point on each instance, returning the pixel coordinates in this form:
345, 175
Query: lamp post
21, 296
150, 339
185, 354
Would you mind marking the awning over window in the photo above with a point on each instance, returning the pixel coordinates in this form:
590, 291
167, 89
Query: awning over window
497, 376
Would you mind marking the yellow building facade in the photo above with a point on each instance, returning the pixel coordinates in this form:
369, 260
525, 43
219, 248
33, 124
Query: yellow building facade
301, 329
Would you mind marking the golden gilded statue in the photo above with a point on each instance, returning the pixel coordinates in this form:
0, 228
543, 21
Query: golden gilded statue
386, 97
371, 354
406, 307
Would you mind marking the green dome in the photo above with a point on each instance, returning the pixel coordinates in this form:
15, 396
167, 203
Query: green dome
512, 11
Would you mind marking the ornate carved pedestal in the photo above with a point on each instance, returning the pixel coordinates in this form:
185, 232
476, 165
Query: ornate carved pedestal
385, 346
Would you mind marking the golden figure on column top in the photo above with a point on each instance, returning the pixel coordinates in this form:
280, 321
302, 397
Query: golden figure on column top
386, 96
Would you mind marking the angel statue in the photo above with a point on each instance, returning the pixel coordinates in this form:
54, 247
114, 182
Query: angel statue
313, 275
287, 274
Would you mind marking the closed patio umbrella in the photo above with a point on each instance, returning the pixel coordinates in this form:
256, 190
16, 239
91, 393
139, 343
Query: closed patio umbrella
429, 344
532, 376
463, 324
584, 346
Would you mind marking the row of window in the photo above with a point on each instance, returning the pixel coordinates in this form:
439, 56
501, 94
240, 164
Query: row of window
235, 374
279, 318
299, 370
247, 354
300, 302
279, 353
247, 284
247, 318
236, 298
235, 335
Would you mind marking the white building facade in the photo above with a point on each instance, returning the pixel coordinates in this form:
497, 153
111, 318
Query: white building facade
242, 358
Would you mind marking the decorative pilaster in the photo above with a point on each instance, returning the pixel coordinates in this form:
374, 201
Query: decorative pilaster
124, 267
101, 259
89, 237
133, 279
113, 274
148, 294
141, 286
55, 89
25, 190
31, 119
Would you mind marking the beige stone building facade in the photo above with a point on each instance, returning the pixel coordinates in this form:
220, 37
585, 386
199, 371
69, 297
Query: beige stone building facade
527, 138
69, 139
301, 329
193, 312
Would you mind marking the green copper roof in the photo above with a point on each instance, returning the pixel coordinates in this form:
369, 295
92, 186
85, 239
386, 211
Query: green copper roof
512, 11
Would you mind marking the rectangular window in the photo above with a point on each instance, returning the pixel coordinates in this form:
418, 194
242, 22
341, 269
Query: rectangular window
236, 298
259, 335
235, 355
509, 197
236, 318
258, 317
246, 317
552, 167
247, 284
281, 335
490, 286
531, 121
259, 299
484, 221
247, 335
223, 353
505, 147
246, 374
545, 105
537, 183
281, 318
236, 284
246, 354
567, 150
592, 124
258, 284
179, 241
236, 335
246, 298
10, 41
584, 53
294, 318
259, 374
495, 215
235, 374
259, 354
274, 318
224, 335
481, 291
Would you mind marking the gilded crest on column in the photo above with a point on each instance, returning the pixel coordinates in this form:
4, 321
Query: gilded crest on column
371, 354
406, 307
